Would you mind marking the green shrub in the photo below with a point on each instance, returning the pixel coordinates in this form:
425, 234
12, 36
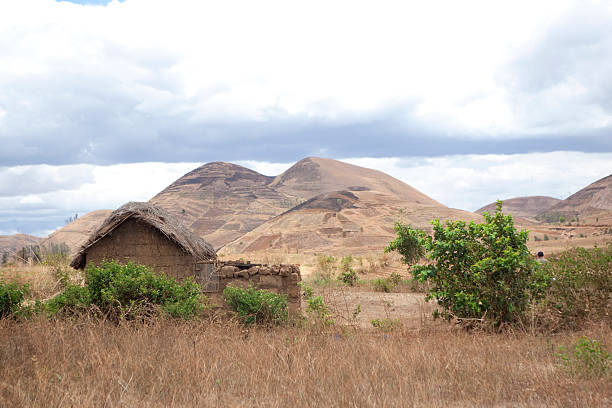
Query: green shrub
319, 279
346, 262
257, 306
348, 277
387, 284
580, 287
130, 290
588, 358
72, 299
326, 263
11, 296
478, 272
387, 324
408, 243
382, 285
316, 307
395, 279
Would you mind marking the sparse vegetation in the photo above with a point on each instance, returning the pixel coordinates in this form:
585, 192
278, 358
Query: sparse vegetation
387, 284
316, 308
168, 361
579, 288
88, 362
588, 358
387, 324
347, 275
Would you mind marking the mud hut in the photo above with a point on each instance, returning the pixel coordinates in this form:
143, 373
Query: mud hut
147, 235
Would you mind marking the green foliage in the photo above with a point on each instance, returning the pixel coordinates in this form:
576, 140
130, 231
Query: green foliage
316, 307
409, 243
588, 358
348, 277
382, 285
131, 290
479, 272
5, 258
73, 299
346, 262
536, 238
326, 264
580, 287
546, 237
255, 306
387, 324
387, 284
11, 296
562, 219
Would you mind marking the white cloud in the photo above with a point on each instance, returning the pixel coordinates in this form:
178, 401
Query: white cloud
143, 67
31, 199
264, 167
472, 181
110, 187
20, 180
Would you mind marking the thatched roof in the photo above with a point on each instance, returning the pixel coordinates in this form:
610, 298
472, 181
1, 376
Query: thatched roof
156, 217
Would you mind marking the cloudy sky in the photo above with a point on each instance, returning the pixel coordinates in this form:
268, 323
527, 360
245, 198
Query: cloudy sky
105, 102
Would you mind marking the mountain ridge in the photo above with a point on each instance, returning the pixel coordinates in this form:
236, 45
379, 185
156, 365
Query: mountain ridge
223, 201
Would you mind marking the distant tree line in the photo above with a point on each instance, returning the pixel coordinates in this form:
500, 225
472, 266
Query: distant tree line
72, 218
36, 254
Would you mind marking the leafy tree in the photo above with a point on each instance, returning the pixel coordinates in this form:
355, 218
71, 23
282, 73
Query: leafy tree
409, 243
478, 272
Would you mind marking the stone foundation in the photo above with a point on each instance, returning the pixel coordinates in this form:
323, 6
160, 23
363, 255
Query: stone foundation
281, 279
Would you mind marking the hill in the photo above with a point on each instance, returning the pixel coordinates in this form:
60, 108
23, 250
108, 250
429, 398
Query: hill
525, 207
223, 201
12, 243
314, 175
594, 198
77, 232
340, 221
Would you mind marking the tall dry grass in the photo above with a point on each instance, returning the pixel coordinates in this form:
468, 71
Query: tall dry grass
168, 363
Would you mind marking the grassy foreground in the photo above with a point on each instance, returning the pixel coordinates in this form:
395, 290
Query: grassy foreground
85, 362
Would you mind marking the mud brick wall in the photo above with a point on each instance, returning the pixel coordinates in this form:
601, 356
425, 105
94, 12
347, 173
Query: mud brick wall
281, 279
142, 244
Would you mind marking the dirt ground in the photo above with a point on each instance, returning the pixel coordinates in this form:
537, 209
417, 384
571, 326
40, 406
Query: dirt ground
408, 309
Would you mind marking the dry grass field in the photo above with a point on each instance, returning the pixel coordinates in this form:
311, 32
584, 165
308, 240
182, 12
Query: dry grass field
215, 362
173, 364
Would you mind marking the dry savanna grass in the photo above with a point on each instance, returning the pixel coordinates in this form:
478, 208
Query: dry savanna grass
169, 363
85, 361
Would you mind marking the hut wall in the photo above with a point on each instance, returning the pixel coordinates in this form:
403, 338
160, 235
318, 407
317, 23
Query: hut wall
136, 241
